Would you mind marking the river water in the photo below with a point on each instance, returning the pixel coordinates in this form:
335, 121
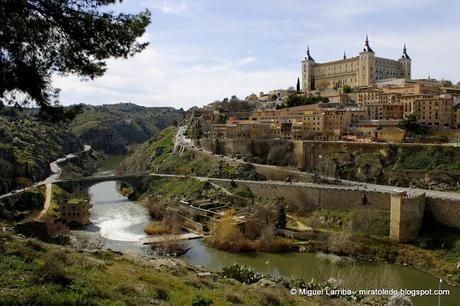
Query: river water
121, 222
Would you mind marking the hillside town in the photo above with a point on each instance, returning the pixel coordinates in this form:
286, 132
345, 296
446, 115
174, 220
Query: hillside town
363, 99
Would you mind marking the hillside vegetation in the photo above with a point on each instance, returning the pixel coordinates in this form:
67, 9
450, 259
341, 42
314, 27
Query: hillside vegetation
113, 128
42, 274
156, 155
27, 146
434, 167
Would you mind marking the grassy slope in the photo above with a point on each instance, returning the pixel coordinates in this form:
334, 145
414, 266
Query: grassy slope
43, 274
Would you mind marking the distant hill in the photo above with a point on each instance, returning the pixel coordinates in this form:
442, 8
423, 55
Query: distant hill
113, 128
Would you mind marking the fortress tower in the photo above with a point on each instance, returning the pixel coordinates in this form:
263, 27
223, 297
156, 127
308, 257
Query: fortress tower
405, 61
362, 70
406, 216
366, 70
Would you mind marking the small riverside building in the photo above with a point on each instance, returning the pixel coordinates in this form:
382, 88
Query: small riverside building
75, 211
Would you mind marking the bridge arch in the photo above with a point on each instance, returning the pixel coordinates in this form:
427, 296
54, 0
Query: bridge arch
84, 183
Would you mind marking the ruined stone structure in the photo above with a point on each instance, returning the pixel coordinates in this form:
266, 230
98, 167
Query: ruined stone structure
75, 211
362, 70
406, 216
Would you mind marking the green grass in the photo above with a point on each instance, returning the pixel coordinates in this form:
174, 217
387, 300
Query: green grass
41, 274
53, 210
167, 189
433, 157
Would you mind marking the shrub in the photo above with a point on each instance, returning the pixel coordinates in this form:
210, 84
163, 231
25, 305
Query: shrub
157, 229
399, 300
171, 224
242, 274
270, 298
56, 228
35, 245
156, 211
127, 289
234, 299
201, 300
226, 235
53, 269
282, 220
161, 294
88, 243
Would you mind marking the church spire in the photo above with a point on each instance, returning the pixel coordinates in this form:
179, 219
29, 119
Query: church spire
344, 55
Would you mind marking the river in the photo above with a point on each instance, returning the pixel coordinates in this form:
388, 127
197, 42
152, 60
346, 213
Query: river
121, 222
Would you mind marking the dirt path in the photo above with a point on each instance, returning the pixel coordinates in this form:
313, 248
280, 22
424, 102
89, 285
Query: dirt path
48, 196
300, 226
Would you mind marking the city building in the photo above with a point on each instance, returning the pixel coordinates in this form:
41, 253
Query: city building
373, 95
456, 117
434, 111
383, 111
336, 120
362, 70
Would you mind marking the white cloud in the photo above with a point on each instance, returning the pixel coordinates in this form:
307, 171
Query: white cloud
160, 78
344, 11
174, 7
240, 50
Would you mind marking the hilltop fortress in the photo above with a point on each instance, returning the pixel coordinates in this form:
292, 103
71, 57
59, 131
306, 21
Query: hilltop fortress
362, 70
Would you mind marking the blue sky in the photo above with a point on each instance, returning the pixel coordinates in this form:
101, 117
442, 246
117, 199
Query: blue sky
202, 50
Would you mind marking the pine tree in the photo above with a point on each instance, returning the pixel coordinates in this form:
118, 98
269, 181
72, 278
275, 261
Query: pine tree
40, 38
298, 85
281, 223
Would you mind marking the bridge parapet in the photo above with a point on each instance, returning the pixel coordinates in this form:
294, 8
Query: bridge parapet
84, 183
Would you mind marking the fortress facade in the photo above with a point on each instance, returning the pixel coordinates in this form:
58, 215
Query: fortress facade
362, 70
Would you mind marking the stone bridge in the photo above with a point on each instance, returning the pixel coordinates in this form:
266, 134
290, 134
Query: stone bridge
84, 183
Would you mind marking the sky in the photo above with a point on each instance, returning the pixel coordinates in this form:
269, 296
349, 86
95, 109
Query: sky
203, 50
